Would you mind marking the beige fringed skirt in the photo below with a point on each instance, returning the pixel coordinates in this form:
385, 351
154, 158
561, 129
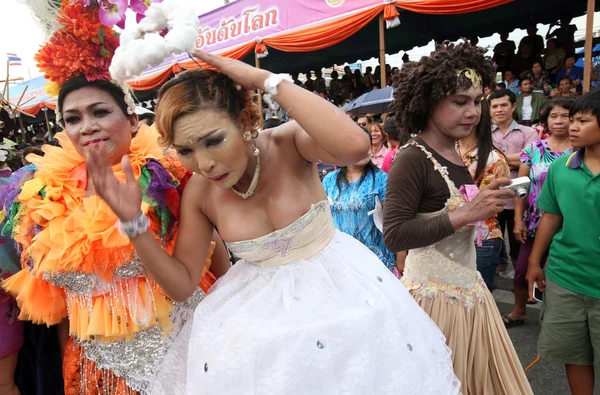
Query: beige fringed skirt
484, 358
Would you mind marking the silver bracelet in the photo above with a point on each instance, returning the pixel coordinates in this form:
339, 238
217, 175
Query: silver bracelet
135, 227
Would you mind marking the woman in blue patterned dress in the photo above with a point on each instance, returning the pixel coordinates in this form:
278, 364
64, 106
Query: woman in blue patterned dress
353, 192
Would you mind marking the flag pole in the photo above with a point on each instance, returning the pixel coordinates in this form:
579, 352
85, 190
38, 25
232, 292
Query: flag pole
382, 64
8, 83
587, 59
45, 110
23, 130
260, 99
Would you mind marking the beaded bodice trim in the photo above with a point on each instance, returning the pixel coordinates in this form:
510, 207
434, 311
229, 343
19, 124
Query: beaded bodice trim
448, 266
298, 241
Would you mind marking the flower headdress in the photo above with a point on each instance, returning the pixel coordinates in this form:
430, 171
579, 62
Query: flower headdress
82, 45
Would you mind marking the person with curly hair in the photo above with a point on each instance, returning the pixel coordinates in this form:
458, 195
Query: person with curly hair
432, 207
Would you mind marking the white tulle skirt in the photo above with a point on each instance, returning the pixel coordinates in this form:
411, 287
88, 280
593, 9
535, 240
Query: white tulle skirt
338, 323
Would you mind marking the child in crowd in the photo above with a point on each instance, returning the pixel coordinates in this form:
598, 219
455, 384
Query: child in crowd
571, 227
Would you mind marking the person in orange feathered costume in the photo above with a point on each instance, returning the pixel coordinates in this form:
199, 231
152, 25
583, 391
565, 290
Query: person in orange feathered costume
76, 263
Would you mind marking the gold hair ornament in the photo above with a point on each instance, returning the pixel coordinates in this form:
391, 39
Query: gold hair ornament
471, 75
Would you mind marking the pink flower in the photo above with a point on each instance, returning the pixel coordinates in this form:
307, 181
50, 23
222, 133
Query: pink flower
140, 7
112, 12
84, 2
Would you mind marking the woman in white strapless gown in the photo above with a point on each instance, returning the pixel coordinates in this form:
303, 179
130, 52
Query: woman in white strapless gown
308, 310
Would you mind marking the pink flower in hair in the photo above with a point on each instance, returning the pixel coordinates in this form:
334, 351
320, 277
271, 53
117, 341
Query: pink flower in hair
112, 12
140, 7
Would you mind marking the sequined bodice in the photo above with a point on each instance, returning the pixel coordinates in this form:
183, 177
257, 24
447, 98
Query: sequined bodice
301, 240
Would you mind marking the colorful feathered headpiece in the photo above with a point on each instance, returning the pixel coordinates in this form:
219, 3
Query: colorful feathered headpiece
81, 46
82, 42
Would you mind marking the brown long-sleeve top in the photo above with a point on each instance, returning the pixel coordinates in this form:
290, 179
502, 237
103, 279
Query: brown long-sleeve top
413, 187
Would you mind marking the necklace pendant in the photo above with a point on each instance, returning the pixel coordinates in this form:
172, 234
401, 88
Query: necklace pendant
246, 195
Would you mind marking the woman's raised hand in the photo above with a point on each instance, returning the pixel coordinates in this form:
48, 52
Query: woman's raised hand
124, 198
247, 76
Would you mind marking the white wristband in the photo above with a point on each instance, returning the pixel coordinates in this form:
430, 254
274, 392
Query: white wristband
271, 84
135, 227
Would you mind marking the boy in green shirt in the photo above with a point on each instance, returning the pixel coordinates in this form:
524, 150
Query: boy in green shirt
571, 222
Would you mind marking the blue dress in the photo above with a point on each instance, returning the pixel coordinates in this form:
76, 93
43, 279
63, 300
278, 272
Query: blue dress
350, 208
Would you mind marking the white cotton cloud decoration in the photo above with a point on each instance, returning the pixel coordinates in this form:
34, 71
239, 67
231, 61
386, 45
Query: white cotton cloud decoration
143, 46
179, 39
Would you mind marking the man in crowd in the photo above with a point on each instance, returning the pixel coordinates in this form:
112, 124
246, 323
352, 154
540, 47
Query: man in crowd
523, 60
565, 34
510, 138
534, 40
405, 58
310, 83
364, 121
347, 78
504, 52
319, 83
528, 105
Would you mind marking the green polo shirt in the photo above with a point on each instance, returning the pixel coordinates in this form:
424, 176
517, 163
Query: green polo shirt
572, 192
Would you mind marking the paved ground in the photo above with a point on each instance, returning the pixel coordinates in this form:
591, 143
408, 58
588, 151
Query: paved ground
546, 378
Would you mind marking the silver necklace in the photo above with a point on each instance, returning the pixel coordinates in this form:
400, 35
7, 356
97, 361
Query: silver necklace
253, 184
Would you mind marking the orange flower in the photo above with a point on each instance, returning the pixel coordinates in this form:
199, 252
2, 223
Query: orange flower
83, 46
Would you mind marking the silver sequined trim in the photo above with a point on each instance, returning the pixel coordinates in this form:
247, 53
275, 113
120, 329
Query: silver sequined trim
131, 269
74, 282
138, 359
82, 284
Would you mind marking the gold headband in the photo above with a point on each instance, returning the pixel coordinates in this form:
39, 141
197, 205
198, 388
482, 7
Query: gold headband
471, 75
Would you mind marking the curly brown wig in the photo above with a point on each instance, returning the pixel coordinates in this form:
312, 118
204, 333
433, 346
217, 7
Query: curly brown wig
421, 85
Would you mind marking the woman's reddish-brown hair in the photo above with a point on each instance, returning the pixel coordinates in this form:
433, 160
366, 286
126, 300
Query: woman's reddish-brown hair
377, 126
200, 89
